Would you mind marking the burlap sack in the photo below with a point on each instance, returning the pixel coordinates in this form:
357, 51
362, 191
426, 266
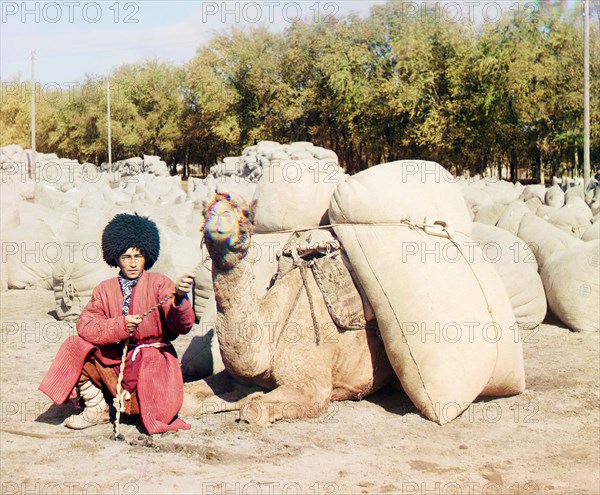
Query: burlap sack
543, 238
571, 281
203, 285
489, 214
295, 194
592, 232
518, 269
555, 197
178, 254
28, 252
574, 217
79, 270
533, 191
202, 357
445, 317
264, 250
512, 216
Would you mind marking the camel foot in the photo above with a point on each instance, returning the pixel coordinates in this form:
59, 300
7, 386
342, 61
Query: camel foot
255, 411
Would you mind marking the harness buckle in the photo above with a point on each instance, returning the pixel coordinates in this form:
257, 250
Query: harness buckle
437, 227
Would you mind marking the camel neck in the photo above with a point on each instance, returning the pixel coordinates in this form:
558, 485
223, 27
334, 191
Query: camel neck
243, 339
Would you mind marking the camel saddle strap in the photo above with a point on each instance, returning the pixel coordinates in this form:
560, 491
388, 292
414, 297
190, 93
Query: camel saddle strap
339, 292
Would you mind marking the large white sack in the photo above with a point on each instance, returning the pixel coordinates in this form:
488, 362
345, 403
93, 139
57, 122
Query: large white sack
23, 186
512, 216
543, 238
518, 269
203, 285
178, 254
79, 270
574, 217
534, 191
555, 197
571, 280
28, 254
295, 194
63, 220
489, 214
501, 191
203, 357
9, 202
238, 186
95, 197
177, 217
445, 318
592, 232
200, 191
476, 198
263, 251
574, 192
533, 204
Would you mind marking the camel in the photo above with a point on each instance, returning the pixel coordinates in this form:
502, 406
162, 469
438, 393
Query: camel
285, 345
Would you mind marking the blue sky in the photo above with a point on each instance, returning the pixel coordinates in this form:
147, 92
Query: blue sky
75, 37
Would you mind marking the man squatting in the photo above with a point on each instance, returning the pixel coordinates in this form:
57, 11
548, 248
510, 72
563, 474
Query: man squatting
90, 361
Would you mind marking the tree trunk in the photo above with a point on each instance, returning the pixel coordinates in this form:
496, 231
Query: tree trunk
186, 161
513, 166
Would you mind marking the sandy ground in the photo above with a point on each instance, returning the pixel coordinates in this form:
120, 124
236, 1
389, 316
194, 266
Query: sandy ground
544, 441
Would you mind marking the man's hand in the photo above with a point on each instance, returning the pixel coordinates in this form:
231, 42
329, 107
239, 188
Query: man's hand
132, 322
184, 286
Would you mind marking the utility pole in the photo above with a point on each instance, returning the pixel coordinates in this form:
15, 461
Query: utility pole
32, 164
586, 93
108, 120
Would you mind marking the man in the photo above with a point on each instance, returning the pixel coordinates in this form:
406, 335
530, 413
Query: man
152, 383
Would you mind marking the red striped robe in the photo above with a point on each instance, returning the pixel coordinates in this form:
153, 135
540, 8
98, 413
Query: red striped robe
102, 326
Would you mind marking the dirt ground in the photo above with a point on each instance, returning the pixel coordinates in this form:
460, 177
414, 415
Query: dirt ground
544, 441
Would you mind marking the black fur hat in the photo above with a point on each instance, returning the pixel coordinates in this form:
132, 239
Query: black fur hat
125, 231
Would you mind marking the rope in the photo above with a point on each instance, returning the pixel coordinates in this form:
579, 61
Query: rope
403, 223
310, 303
119, 400
289, 315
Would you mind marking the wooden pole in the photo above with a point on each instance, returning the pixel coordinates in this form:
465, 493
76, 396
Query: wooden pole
32, 164
108, 123
586, 93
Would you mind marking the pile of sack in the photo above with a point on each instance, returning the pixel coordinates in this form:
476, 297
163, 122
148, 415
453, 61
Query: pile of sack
558, 227
452, 268
150, 164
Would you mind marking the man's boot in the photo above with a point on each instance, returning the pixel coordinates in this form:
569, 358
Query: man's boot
95, 412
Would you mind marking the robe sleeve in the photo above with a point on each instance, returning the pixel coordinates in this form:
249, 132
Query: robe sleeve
179, 318
96, 327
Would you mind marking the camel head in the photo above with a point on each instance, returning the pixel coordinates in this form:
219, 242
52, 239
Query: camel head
227, 228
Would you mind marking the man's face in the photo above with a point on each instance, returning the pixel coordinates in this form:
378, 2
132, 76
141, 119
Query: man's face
131, 263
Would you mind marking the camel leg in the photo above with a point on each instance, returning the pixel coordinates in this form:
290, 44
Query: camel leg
285, 402
216, 393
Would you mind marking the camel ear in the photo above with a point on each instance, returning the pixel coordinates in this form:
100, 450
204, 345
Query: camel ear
251, 212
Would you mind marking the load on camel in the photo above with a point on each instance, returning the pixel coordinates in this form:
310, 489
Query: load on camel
286, 342
445, 319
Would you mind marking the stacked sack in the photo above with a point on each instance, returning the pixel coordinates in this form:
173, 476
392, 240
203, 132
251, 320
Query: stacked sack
51, 229
150, 164
443, 313
516, 264
560, 226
